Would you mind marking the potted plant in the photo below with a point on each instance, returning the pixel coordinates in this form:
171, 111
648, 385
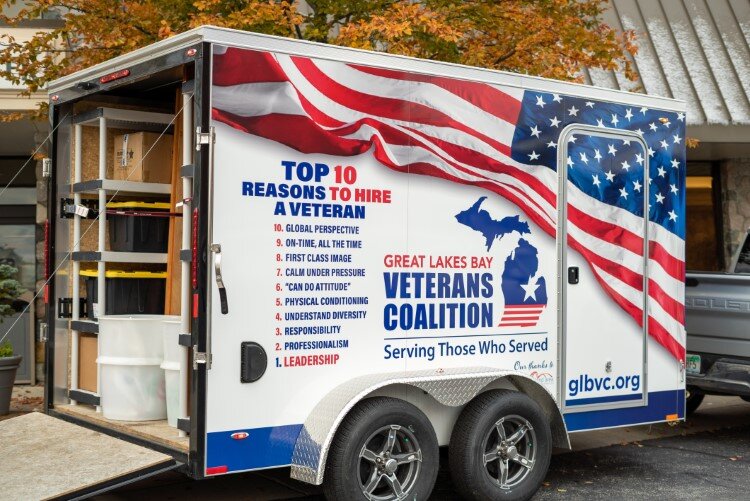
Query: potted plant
10, 290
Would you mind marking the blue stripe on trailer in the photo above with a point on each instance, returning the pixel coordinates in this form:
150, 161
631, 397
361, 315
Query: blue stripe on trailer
260, 448
273, 446
662, 406
599, 400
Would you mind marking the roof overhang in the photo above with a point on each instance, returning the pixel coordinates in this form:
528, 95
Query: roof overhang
696, 50
720, 133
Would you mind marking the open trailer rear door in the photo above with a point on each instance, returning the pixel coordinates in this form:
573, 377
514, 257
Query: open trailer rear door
48, 458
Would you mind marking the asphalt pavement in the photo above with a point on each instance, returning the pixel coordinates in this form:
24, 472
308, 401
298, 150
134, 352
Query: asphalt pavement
707, 457
707, 465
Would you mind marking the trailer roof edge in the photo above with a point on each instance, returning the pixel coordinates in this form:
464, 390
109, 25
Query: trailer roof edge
238, 38
154, 50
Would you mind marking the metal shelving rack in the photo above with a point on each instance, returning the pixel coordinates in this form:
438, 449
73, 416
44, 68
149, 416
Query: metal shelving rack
186, 245
104, 118
121, 187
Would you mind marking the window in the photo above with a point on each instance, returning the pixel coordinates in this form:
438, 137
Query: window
743, 262
17, 249
704, 236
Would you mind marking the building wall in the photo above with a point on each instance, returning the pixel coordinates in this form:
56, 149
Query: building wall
735, 179
9, 98
21, 138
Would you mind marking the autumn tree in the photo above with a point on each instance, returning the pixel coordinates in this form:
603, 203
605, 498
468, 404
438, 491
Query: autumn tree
550, 38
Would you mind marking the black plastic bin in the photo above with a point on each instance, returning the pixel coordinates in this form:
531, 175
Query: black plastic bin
128, 292
129, 231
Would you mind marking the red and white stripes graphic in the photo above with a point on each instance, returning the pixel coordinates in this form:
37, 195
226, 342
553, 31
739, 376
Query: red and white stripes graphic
455, 130
521, 315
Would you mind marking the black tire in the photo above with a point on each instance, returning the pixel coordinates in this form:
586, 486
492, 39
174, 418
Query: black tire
367, 428
693, 399
472, 442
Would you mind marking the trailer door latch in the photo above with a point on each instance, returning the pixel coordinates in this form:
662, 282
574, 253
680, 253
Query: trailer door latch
43, 332
202, 138
65, 307
573, 275
87, 209
201, 358
216, 249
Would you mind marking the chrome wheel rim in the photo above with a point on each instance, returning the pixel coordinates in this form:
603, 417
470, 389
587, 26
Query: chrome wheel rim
389, 463
509, 451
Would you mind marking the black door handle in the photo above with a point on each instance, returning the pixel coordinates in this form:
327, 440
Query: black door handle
573, 275
223, 300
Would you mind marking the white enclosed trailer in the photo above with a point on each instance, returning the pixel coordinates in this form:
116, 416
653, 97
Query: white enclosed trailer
381, 256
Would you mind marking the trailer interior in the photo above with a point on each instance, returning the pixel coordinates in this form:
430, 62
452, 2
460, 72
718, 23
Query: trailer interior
124, 143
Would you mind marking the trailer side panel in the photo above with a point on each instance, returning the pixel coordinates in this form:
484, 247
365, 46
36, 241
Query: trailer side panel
377, 222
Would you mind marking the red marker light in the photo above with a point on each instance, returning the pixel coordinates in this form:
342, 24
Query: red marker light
55, 98
191, 52
46, 249
194, 249
114, 76
46, 261
240, 435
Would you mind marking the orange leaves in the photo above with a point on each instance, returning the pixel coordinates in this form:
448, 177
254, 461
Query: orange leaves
165, 30
272, 17
205, 5
550, 38
403, 27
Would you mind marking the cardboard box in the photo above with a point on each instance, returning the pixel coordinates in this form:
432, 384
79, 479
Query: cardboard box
88, 350
156, 167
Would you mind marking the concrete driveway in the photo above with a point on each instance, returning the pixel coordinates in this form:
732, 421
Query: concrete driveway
706, 457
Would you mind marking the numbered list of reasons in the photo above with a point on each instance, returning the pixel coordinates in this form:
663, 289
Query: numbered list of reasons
318, 265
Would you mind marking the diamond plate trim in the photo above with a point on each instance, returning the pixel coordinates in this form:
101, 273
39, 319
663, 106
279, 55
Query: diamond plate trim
455, 391
451, 387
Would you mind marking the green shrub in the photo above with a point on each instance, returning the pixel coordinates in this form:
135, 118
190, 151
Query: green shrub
6, 349
10, 290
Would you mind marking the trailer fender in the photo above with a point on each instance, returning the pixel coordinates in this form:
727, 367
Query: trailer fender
451, 387
540, 395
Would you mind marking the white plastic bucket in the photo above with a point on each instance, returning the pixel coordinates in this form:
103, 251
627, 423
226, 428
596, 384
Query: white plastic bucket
172, 365
130, 354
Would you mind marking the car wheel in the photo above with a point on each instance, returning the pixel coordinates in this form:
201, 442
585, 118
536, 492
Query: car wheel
693, 399
500, 447
385, 449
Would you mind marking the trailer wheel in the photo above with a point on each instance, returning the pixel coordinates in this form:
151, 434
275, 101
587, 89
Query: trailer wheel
385, 449
693, 399
500, 447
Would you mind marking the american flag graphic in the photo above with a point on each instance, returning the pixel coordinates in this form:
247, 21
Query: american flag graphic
521, 315
525, 295
499, 138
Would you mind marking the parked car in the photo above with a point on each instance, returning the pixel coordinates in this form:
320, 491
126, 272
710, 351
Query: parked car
718, 331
